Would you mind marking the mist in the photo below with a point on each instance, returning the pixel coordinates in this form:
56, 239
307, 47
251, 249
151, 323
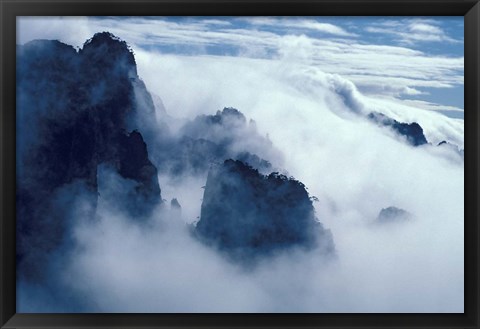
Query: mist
355, 169
316, 123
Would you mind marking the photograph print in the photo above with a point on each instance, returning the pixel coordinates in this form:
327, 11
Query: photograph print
240, 164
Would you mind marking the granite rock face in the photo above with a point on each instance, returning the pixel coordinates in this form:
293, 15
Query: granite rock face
75, 111
247, 215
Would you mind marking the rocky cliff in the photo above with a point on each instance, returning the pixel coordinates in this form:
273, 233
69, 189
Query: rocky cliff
247, 215
75, 111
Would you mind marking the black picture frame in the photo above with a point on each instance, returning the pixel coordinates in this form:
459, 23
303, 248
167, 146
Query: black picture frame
10, 9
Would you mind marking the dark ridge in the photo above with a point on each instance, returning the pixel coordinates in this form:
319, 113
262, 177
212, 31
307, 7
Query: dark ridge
413, 132
247, 215
74, 111
254, 161
38, 53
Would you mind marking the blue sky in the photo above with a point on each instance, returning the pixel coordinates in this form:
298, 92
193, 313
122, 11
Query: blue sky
414, 60
308, 83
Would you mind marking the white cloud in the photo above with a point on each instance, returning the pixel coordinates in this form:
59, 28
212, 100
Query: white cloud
377, 70
425, 28
352, 166
300, 24
73, 31
410, 31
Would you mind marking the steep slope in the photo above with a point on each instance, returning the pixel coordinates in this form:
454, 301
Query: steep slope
248, 215
74, 112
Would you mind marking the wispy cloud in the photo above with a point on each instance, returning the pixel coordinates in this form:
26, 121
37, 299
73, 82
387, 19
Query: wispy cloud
299, 24
379, 69
412, 31
296, 87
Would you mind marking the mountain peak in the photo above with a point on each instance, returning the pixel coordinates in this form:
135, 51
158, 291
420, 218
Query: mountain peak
100, 38
48, 44
109, 51
413, 132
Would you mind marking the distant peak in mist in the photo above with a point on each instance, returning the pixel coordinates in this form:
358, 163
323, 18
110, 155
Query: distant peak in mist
229, 112
209, 139
413, 132
228, 118
393, 215
452, 147
47, 45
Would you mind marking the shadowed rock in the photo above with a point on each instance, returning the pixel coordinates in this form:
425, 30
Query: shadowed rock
74, 112
413, 132
248, 215
393, 215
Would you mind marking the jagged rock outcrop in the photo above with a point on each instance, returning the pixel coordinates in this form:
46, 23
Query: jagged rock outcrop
413, 132
452, 147
393, 215
175, 209
133, 163
74, 112
247, 215
254, 161
219, 127
174, 204
210, 139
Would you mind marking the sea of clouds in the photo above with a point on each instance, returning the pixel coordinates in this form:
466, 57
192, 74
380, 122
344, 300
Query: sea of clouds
354, 168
